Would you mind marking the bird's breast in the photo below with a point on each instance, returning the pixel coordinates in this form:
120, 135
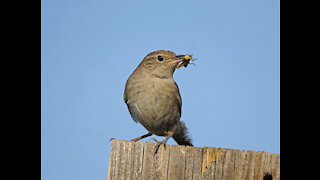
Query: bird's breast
153, 104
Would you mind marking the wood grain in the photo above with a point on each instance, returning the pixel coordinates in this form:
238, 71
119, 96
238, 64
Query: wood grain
137, 161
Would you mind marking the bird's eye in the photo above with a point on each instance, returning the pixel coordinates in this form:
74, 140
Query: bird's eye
160, 58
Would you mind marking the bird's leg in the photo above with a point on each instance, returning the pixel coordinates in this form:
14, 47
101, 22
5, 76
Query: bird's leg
141, 137
164, 142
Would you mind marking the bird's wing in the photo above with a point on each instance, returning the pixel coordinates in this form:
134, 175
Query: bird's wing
129, 108
178, 98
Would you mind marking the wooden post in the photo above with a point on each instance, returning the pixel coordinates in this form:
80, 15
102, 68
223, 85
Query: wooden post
135, 160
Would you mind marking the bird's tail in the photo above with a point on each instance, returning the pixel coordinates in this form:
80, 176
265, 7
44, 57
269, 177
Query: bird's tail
181, 135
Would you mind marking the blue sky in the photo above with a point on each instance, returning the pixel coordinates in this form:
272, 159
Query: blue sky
231, 97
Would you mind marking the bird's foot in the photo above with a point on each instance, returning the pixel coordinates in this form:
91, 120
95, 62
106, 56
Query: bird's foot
157, 146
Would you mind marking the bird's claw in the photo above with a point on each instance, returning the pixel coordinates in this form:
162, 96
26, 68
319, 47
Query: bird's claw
157, 146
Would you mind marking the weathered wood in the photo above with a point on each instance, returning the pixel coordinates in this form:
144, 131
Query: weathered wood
208, 163
155, 166
193, 163
137, 161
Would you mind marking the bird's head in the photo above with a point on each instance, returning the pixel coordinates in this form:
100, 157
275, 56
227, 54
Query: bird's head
161, 63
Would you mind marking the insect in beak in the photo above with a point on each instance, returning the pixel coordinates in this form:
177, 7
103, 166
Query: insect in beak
185, 60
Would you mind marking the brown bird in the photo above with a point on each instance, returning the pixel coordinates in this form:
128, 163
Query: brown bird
154, 100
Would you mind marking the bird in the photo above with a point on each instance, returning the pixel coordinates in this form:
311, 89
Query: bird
153, 98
